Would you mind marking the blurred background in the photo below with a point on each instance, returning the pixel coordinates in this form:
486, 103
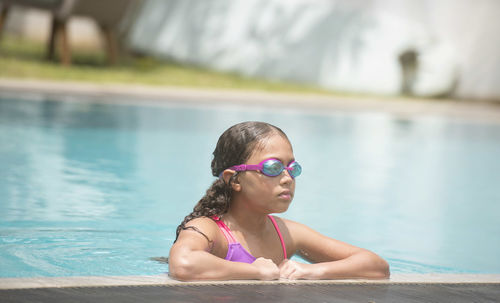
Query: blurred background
440, 48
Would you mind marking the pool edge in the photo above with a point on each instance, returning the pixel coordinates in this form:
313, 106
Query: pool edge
164, 280
476, 111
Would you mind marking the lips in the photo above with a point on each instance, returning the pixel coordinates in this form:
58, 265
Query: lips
286, 194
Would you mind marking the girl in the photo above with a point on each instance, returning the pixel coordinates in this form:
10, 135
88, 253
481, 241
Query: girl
231, 235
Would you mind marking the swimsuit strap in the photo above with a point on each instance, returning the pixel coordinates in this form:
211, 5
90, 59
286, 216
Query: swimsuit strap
225, 230
279, 235
231, 239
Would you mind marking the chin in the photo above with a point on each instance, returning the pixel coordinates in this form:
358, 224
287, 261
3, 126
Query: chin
282, 206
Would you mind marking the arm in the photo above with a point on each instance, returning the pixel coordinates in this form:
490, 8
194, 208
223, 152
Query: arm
191, 258
333, 259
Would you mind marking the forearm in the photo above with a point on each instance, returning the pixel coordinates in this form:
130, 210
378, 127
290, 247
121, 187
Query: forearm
364, 264
201, 265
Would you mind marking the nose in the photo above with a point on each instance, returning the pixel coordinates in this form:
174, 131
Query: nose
286, 177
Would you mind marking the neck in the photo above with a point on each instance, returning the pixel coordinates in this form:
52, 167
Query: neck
245, 220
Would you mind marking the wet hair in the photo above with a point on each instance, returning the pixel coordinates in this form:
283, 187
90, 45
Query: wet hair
234, 147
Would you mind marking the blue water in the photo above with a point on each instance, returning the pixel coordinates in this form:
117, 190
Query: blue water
88, 188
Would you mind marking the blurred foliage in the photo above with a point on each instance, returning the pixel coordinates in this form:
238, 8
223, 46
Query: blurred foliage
23, 59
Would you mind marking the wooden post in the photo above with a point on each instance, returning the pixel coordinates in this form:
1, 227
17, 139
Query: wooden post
63, 43
51, 50
408, 61
3, 16
111, 44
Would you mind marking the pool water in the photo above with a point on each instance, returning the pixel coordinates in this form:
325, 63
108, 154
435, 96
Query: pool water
95, 189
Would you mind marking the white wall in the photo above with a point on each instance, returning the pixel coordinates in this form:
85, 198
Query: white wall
346, 45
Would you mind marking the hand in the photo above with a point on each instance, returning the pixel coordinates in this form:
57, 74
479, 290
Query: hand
267, 269
292, 270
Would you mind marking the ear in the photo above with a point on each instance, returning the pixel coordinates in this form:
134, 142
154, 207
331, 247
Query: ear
227, 174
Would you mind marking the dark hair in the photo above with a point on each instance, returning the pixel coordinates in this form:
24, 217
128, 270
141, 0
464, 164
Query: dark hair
234, 147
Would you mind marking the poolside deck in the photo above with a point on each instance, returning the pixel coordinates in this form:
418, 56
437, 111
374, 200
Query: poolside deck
400, 288
399, 107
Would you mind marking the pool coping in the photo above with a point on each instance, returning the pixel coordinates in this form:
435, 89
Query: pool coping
401, 107
165, 280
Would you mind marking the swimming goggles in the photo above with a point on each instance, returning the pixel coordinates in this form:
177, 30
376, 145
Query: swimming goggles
271, 168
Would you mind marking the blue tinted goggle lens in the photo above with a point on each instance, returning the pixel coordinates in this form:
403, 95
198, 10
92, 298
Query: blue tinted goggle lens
273, 168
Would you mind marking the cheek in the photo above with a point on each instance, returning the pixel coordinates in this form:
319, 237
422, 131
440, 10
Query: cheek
250, 184
259, 185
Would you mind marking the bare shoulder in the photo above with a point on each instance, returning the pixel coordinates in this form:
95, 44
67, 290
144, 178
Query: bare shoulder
293, 226
294, 232
202, 222
201, 234
204, 226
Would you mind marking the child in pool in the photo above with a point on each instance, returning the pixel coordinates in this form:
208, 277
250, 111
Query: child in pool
231, 235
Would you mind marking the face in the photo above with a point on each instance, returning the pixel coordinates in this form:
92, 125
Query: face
263, 193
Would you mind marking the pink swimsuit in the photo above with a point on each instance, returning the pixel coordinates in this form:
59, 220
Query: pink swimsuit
235, 251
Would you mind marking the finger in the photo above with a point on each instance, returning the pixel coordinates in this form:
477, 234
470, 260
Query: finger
283, 270
283, 263
290, 264
287, 270
294, 276
285, 275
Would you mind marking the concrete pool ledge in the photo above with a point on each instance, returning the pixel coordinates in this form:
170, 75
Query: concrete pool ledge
164, 280
400, 107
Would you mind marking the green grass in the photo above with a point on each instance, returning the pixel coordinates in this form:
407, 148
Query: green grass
22, 59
